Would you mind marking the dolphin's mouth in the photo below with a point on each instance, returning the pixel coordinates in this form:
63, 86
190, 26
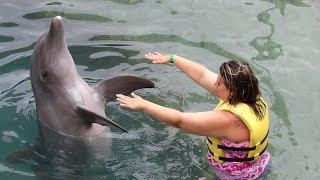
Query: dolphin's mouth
52, 50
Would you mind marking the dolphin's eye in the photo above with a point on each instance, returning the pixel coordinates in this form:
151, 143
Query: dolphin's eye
44, 75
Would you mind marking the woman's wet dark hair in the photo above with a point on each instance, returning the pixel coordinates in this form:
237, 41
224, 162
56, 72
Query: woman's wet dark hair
243, 86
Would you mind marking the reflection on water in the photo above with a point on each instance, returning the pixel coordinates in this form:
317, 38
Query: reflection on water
8, 24
16, 51
54, 3
267, 48
71, 16
6, 38
127, 1
157, 38
20, 63
88, 56
270, 50
281, 4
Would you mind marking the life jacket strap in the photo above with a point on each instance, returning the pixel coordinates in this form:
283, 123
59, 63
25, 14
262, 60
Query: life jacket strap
239, 149
238, 159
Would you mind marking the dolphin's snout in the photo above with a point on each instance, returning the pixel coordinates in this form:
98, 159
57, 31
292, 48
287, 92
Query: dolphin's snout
56, 27
56, 31
57, 21
58, 17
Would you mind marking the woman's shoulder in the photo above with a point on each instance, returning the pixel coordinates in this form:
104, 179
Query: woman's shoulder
236, 130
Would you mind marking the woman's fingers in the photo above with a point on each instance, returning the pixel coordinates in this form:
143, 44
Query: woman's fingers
158, 54
133, 102
148, 55
126, 101
151, 57
156, 58
122, 98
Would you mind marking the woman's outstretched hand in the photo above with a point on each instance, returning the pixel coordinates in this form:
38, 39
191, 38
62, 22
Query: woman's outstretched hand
157, 58
135, 102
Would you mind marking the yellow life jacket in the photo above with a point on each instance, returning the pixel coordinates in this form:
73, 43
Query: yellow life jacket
259, 130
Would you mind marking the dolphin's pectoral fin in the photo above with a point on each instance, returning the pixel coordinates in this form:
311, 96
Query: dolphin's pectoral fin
93, 117
123, 84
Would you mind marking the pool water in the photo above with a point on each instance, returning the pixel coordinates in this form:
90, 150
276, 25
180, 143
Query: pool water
278, 38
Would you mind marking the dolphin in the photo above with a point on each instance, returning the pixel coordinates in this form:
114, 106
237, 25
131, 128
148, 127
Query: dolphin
65, 103
71, 114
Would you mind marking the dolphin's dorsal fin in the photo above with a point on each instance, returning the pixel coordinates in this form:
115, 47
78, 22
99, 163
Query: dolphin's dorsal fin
93, 117
123, 84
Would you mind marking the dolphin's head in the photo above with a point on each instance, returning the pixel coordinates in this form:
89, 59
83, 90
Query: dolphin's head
51, 59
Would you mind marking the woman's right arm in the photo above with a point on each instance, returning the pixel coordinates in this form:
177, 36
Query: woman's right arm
209, 123
198, 73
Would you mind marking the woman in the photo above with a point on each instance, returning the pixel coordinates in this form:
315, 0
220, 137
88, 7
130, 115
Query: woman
236, 130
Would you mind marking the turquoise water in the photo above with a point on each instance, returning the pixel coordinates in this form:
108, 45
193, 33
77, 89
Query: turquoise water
279, 38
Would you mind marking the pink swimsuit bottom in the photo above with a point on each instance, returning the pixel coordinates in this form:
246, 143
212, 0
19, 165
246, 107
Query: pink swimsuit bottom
239, 170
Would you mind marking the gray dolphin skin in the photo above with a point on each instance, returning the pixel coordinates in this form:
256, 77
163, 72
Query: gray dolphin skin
65, 103
73, 127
